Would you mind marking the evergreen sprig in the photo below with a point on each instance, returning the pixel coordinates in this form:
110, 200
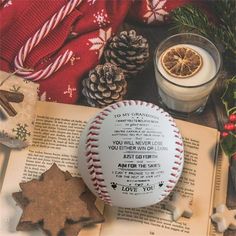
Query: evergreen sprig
228, 143
229, 96
222, 31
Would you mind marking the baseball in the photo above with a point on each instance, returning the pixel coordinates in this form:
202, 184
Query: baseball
131, 154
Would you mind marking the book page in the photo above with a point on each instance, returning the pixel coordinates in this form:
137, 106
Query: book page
221, 184
196, 182
55, 139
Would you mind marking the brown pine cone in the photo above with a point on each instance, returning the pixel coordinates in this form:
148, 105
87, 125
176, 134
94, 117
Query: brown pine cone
128, 51
105, 85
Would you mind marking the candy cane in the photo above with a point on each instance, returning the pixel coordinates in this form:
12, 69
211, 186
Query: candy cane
38, 36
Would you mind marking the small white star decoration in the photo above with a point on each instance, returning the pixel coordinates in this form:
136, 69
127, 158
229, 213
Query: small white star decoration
179, 206
224, 218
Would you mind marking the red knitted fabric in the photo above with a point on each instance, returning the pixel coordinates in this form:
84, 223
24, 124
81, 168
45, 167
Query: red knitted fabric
154, 11
84, 31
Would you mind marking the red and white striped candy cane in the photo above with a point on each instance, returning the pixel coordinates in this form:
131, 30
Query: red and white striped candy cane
38, 36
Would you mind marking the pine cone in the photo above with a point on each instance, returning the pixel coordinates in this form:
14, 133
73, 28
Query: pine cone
128, 51
106, 84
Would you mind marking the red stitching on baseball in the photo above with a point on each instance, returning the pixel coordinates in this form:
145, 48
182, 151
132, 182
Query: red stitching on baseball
93, 173
107, 110
178, 156
96, 160
168, 190
94, 127
92, 133
178, 163
91, 140
100, 118
94, 153
179, 150
91, 167
178, 137
180, 144
101, 185
105, 114
93, 146
100, 178
88, 153
97, 172
97, 166
105, 193
98, 122
169, 186
113, 106
175, 168
89, 162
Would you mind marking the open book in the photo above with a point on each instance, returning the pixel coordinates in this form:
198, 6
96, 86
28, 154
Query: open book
55, 139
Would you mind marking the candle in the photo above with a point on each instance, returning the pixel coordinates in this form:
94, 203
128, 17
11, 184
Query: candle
185, 74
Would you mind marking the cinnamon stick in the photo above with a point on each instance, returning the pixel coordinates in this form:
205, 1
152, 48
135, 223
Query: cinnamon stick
7, 106
12, 96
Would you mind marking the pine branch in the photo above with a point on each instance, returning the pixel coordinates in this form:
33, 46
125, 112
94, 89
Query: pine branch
189, 18
225, 10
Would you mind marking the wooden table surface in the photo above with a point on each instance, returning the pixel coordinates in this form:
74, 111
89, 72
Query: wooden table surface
144, 87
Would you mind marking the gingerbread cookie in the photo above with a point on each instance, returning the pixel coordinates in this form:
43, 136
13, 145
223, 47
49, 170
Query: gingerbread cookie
57, 202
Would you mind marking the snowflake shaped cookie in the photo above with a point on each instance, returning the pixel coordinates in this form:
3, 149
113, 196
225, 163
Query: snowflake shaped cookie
55, 193
179, 206
224, 218
57, 203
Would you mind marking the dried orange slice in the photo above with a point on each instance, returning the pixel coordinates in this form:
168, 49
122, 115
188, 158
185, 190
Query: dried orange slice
181, 62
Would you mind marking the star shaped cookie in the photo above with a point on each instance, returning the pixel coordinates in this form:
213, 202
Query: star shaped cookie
56, 203
224, 218
179, 206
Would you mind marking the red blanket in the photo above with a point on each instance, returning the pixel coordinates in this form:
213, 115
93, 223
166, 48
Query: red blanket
82, 34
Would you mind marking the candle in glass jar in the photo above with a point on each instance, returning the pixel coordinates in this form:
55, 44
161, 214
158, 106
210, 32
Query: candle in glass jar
186, 93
